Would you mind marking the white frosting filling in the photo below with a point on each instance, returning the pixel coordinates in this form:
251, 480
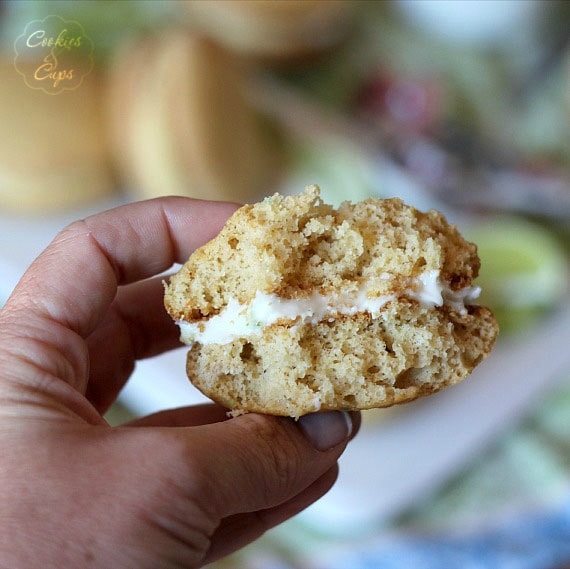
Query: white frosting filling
432, 292
242, 321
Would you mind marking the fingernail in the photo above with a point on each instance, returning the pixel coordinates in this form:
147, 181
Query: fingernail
326, 430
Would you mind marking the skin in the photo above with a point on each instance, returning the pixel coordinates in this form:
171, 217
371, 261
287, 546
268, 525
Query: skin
181, 488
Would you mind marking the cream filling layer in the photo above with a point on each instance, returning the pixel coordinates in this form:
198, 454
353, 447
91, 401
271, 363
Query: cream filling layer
242, 321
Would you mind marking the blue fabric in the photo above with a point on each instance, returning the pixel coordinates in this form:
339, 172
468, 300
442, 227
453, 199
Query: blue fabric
536, 542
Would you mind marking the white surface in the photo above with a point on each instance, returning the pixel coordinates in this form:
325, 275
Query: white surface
390, 464
472, 22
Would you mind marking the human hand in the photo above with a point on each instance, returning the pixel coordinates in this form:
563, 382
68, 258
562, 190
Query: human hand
177, 489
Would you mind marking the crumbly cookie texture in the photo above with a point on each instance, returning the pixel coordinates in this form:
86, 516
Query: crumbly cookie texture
363, 306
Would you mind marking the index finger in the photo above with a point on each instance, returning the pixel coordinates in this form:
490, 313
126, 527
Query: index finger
75, 279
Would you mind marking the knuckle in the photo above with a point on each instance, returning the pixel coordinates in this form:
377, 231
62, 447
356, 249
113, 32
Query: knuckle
281, 452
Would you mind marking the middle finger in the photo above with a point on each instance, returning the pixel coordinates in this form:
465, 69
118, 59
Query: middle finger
135, 326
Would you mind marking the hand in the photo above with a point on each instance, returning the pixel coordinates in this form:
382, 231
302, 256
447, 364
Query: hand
177, 489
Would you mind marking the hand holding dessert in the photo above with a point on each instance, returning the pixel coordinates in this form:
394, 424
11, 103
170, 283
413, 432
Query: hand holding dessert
177, 489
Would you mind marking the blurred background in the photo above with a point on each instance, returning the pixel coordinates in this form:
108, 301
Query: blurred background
458, 105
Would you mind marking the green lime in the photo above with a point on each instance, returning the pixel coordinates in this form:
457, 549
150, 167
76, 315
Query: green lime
524, 269
333, 165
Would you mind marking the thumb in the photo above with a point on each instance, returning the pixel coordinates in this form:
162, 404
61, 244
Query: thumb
257, 462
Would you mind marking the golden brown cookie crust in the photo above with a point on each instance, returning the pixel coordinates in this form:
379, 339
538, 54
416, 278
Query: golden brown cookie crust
294, 246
